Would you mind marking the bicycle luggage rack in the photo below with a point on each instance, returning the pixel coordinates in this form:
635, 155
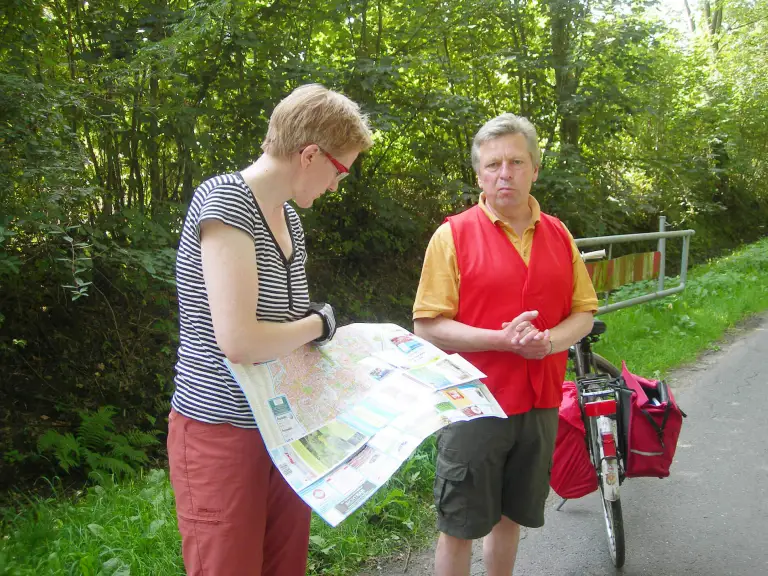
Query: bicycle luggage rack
661, 236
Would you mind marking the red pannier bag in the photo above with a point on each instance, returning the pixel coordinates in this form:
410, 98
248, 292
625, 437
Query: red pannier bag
573, 475
651, 422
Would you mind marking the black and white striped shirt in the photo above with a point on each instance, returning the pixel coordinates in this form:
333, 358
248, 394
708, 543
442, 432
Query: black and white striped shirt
205, 389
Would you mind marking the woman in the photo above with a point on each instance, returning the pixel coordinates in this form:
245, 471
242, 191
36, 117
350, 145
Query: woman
243, 295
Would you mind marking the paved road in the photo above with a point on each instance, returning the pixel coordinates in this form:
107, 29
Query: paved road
709, 518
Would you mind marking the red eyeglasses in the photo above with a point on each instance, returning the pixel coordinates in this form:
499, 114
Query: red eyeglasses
341, 170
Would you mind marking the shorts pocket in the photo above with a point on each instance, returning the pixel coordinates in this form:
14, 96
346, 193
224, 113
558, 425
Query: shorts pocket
450, 489
204, 469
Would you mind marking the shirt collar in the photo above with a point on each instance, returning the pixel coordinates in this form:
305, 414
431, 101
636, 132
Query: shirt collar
533, 204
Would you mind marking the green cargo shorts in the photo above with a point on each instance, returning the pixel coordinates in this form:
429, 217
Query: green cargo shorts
493, 466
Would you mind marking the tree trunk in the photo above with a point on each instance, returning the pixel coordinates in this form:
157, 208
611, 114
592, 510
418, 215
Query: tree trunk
155, 185
135, 183
566, 80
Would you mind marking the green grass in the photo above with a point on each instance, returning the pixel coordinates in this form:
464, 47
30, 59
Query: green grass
109, 530
130, 528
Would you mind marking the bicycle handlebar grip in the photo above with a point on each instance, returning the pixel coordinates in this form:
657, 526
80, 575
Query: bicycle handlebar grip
595, 255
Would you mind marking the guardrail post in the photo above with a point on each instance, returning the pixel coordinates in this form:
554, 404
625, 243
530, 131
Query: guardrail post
662, 248
607, 293
684, 264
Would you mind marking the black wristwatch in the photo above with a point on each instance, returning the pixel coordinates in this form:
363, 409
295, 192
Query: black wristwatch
325, 311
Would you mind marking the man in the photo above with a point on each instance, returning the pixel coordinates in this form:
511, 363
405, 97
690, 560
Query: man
503, 284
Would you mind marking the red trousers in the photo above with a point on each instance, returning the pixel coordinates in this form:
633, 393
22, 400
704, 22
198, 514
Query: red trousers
237, 515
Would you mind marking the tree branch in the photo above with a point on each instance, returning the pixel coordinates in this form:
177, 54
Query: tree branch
691, 21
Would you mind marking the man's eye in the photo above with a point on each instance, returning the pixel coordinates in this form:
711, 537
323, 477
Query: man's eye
492, 165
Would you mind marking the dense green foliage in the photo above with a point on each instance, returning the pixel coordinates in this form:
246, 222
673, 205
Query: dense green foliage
112, 112
114, 529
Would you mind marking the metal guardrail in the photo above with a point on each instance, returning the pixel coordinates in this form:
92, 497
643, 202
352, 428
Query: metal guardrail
661, 236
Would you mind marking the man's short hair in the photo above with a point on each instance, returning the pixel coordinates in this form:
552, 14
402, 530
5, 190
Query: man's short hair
312, 114
501, 126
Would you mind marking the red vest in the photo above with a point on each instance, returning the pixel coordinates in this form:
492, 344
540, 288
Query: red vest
496, 286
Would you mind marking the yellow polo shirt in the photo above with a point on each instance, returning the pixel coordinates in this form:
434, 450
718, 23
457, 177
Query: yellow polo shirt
438, 293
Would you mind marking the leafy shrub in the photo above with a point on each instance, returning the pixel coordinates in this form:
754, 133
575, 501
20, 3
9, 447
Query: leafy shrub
97, 447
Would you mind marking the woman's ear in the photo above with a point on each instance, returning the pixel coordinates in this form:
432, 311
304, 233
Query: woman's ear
308, 153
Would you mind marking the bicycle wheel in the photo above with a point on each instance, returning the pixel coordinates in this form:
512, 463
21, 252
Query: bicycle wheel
614, 521
602, 365
614, 526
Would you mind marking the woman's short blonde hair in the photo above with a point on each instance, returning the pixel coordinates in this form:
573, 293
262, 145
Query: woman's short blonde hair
312, 114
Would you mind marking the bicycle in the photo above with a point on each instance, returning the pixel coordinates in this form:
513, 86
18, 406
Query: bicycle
596, 383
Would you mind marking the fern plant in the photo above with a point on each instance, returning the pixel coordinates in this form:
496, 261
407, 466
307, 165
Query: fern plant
98, 447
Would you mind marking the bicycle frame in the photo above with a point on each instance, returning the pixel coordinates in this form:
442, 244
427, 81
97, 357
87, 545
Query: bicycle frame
598, 402
581, 358
598, 399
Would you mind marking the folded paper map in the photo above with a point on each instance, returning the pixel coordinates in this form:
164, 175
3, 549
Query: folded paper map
340, 419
